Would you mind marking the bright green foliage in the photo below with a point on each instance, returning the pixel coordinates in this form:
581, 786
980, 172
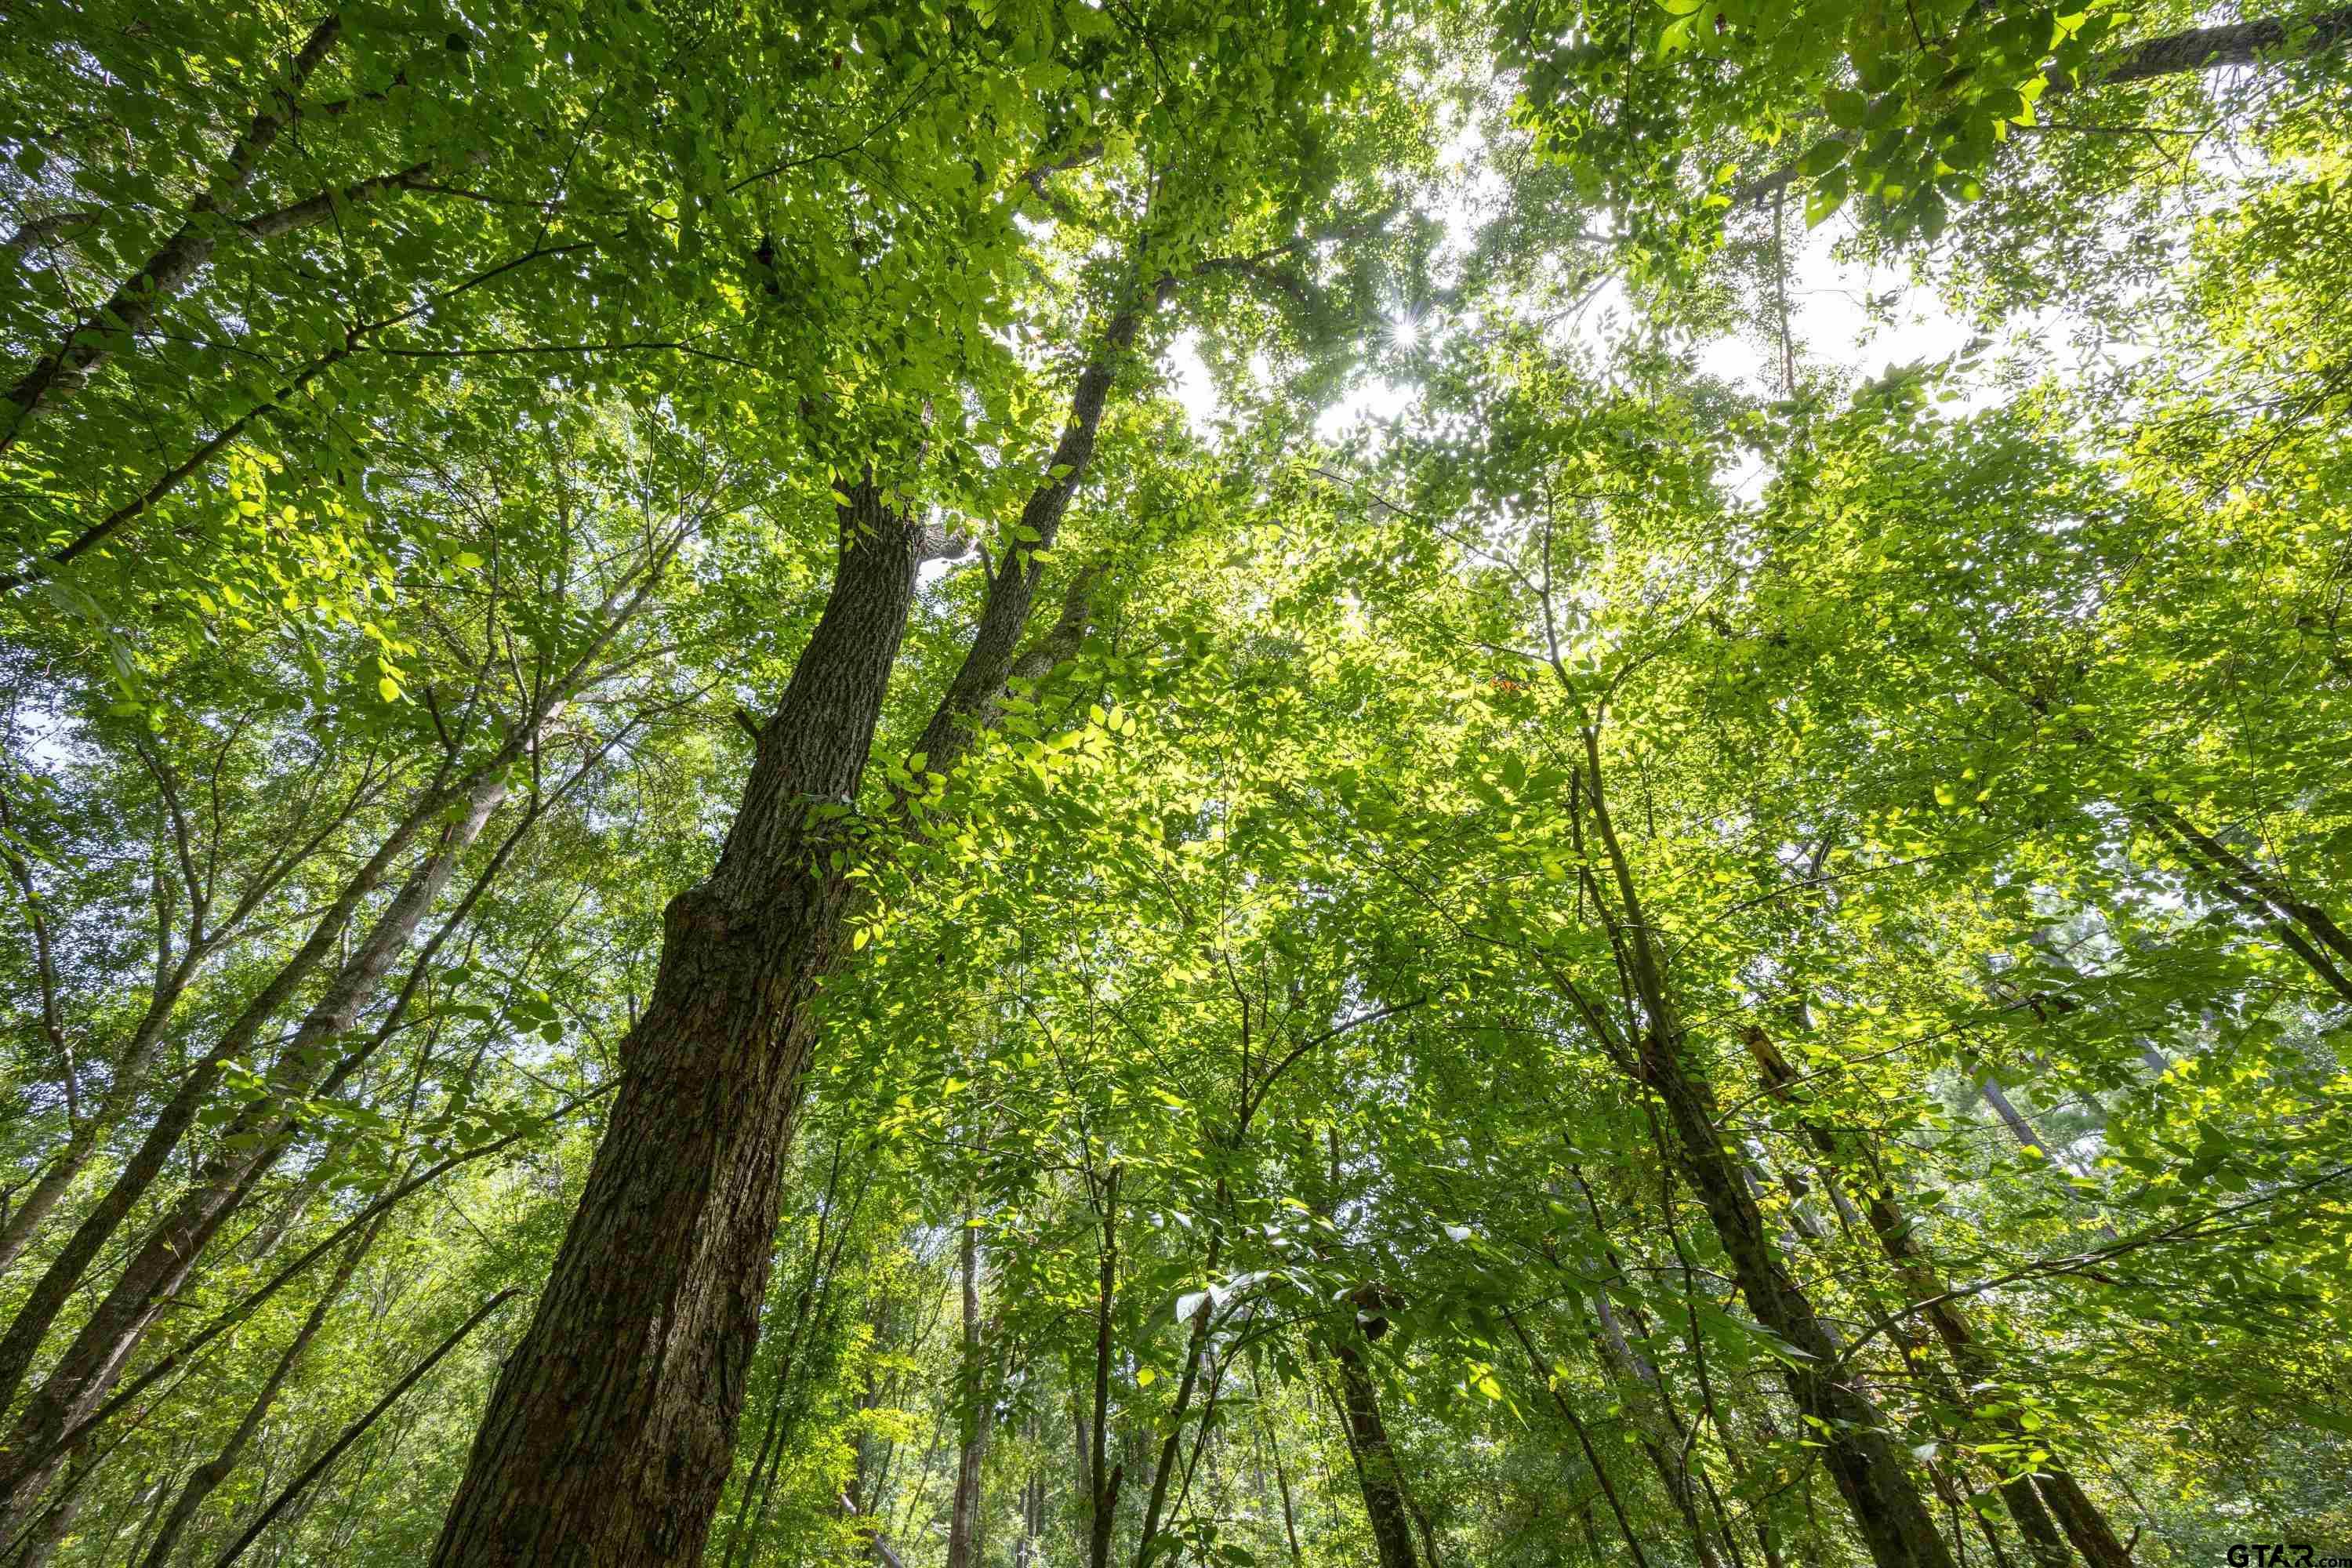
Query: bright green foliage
1264, 996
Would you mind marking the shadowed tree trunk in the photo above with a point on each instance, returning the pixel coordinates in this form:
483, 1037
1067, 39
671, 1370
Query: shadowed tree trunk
612, 1427
611, 1431
1376, 1463
1101, 1477
1975, 1363
971, 1447
1861, 1455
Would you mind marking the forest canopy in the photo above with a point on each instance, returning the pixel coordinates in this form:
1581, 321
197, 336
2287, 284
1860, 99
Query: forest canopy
1176, 783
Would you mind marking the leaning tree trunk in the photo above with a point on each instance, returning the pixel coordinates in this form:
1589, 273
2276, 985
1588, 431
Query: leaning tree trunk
609, 1434
206, 1477
1862, 1456
39, 1311
611, 1431
86, 1373
1899, 1238
131, 1069
106, 1340
183, 255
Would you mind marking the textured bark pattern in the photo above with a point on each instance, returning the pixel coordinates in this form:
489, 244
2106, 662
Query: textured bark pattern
2085, 1525
609, 1436
1376, 1463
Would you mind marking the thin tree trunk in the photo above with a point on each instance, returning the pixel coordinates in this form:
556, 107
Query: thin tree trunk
1103, 1478
1289, 1510
176, 263
1545, 1374
1377, 1474
1196, 1342
87, 1371
102, 1347
135, 1062
963, 1512
206, 1477
1976, 1364
2262, 42
358, 1429
39, 1311
1643, 1393
1862, 1457
2253, 888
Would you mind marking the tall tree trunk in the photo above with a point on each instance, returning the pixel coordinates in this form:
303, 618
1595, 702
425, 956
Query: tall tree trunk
1377, 1474
87, 1371
963, 1510
1102, 1477
611, 1431
1970, 1357
103, 1346
1862, 1456
1282, 1480
1196, 1343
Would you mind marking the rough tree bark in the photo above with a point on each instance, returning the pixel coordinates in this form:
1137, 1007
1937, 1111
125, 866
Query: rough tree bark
1376, 1463
611, 1431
